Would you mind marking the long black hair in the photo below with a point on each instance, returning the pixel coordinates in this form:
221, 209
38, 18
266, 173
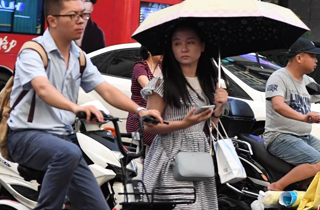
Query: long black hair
175, 84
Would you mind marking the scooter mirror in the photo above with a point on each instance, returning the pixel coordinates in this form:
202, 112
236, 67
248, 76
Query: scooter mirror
313, 88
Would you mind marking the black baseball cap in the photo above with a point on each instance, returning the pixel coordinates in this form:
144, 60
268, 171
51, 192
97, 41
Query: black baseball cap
302, 45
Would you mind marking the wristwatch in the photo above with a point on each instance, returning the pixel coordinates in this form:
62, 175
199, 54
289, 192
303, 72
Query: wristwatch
138, 110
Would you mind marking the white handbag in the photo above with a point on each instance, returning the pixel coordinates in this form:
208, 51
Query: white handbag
230, 168
193, 166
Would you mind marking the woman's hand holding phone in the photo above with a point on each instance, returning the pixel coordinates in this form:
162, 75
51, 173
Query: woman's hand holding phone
203, 108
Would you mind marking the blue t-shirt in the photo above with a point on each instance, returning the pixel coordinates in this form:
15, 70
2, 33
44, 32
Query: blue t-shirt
29, 65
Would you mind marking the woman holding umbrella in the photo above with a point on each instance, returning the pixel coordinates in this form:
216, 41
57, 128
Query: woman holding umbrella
189, 81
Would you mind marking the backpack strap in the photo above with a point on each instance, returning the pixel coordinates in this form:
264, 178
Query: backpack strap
20, 97
82, 61
36, 46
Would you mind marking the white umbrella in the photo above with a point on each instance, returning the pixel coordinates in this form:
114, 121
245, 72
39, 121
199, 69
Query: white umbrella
231, 27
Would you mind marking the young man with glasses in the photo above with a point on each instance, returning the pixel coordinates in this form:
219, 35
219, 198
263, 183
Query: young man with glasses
45, 143
76, 17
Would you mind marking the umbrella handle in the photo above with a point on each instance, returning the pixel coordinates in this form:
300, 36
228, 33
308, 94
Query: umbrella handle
219, 68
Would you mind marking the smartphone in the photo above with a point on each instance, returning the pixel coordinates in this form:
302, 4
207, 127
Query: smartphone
203, 108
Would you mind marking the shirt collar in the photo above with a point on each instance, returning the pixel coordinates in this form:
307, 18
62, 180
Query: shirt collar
50, 45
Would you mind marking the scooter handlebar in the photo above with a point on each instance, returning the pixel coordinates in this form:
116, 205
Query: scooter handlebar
310, 119
128, 156
106, 117
153, 120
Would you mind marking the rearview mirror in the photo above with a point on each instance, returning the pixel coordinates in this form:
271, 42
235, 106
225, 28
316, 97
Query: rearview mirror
313, 88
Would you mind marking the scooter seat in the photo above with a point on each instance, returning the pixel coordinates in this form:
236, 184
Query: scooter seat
274, 165
30, 174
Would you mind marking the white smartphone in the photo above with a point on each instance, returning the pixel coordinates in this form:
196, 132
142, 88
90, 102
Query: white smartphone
203, 108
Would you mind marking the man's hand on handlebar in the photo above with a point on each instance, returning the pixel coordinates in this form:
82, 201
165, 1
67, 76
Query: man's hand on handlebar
154, 113
90, 110
151, 120
312, 117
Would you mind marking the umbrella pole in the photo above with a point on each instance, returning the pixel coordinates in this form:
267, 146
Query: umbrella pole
219, 66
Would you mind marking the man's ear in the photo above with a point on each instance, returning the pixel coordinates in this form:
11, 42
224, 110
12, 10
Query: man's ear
298, 58
52, 21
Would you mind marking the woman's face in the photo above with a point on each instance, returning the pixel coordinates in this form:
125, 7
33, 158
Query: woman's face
187, 46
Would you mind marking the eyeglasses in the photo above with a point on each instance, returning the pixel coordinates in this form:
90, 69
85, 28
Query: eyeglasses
76, 17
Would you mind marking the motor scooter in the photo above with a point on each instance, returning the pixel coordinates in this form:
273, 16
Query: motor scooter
261, 167
20, 186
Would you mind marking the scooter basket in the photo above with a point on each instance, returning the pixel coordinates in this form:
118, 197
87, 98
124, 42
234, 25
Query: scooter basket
160, 198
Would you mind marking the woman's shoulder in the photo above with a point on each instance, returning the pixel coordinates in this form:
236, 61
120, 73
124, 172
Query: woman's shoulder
140, 63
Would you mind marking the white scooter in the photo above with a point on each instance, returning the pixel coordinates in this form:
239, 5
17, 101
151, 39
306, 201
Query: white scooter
19, 185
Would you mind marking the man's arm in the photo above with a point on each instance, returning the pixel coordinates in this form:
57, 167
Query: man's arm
117, 99
282, 108
49, 94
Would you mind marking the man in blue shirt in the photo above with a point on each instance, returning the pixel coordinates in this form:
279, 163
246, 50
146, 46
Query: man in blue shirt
44, 144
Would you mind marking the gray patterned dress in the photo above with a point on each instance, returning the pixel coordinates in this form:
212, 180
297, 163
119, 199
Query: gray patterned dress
158, 163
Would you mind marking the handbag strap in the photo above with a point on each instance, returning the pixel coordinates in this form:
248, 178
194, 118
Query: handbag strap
218, 132
208, 133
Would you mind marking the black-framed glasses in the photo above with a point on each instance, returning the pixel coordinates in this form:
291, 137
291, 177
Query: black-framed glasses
76, 17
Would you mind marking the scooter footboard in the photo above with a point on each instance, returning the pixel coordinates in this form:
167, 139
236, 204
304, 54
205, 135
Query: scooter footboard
10, 204
23, 192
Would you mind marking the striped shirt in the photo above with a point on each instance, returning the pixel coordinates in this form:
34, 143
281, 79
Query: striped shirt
159, 161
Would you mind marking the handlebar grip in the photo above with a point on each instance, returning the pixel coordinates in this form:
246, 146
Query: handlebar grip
83, 116
150, 119
310, 119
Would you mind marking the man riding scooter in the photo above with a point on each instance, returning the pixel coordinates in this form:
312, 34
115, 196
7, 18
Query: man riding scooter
289, 116
45, 143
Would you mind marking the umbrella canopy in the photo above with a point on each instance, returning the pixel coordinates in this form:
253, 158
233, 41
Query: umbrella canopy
231, 27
